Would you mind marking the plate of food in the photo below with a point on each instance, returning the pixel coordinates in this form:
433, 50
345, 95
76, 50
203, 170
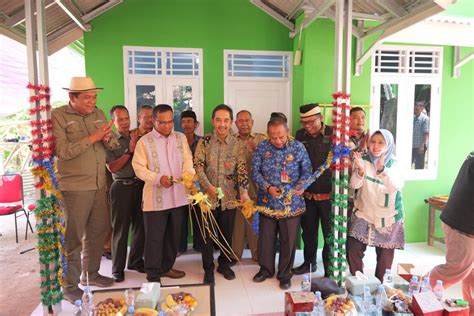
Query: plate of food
180, 301
337, 305
111, 307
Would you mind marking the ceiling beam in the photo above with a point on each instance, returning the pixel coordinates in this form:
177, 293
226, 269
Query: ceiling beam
19, 17
295, 10
70, 11
273, 14
357, 32
319, 11
367, 17
63, 37
392, 7
102, 9
12, 33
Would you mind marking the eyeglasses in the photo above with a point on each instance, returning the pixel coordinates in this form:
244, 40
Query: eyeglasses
311, 122
165, 122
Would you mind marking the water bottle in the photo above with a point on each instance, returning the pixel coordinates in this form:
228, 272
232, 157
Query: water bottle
414, 286
318, 306
380, 299
77, 308
387, 278
367, 301
306, 284
87, 302
425, 284
438, 290
131, 310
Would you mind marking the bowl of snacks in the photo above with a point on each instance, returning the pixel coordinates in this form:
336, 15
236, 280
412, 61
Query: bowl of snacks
338, 306
179, 302
111, 307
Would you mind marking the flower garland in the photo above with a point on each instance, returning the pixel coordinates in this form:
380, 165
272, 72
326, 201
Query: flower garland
339, 199
49, 220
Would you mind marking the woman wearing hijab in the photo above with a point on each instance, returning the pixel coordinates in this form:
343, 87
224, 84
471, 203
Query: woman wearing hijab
377, 220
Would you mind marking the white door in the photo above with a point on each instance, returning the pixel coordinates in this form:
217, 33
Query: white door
259, 82
260, 98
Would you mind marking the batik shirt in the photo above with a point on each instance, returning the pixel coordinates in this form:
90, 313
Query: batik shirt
267, 165
221, 164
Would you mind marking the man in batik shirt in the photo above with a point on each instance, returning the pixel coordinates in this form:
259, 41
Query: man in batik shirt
220, 168
280, 165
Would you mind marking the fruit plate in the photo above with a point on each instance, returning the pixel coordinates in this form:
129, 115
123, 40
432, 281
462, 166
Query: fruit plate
178, 302
111, 307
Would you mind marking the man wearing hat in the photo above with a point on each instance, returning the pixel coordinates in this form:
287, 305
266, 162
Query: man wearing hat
82, 134
316, 137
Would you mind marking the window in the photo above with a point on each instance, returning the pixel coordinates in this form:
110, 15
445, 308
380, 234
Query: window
163, 75
406, 85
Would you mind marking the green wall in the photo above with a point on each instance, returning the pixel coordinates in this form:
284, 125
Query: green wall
213, 25
457, 115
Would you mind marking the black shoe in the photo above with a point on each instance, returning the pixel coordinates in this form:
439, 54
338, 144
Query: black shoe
140, 269
209, 278
226, 272
260, 277
232, 263
285, 285
154, 279
303, 269
118, 276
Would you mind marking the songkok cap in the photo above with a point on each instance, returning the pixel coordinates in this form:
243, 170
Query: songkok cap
82, 84
189, 113
278, 115
308, 110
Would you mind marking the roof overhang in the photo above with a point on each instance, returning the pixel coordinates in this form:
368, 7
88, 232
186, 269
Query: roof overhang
66, 20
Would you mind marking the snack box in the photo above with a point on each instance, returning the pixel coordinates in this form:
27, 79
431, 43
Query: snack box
355, 285
454, 309
426, 304
297, 301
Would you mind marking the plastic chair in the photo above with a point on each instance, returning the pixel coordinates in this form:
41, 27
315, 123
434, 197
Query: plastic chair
11, 200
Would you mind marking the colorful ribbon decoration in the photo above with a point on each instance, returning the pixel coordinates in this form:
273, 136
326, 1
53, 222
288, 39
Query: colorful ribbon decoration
49, 221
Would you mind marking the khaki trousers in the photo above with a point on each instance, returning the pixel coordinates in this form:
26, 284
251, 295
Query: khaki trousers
459, 266
87, 220
243, 229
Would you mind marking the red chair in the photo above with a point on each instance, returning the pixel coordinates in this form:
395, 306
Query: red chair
11, 200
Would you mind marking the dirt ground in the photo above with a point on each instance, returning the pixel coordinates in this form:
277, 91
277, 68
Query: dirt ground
19, 273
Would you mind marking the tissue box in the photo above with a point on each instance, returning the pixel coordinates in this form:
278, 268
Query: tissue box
407, 270
148, 295
355, 285
296, 302
426, 304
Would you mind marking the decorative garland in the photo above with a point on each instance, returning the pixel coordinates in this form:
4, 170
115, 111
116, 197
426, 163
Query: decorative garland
340, 137
49, 220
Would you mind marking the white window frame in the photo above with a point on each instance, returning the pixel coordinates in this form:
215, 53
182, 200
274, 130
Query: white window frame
406, 82
288, 79
163, 81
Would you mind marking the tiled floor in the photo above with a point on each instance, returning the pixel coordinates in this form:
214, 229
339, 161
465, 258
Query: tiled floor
244, 297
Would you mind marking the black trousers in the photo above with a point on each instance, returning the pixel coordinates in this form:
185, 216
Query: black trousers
287, 231
225, 219
197, 238
356, 252
417, 158
316, 211
162, 235
125, 201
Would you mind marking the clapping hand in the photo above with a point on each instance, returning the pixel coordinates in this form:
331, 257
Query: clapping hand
359, 163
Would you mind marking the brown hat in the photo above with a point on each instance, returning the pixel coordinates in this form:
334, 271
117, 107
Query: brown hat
82, 84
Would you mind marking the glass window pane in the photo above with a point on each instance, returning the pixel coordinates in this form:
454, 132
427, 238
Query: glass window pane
388, 107
146, 95
182, 100
421, 126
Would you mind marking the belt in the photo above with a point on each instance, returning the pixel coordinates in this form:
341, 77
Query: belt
317, 196
128, 181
